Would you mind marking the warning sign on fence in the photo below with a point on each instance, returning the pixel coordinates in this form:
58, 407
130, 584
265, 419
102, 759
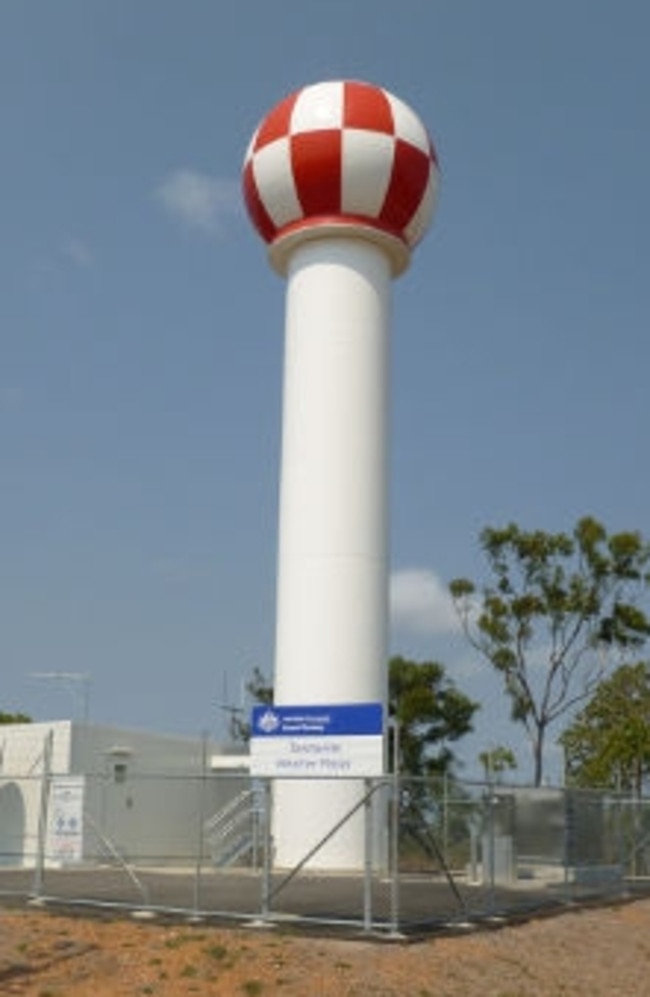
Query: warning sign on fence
64, 841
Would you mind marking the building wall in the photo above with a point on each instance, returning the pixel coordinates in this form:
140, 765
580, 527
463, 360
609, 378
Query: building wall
22, 758
22, 747
146, 795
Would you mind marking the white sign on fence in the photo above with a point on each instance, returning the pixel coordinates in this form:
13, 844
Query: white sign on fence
64, 841
317, 741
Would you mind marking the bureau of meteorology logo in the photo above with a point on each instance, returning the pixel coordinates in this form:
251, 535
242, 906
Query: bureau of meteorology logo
268, 722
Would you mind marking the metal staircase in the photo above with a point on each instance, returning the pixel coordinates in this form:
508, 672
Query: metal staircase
234, 835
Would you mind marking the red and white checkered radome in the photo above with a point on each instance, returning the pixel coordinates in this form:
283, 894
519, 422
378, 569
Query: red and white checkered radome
341, 154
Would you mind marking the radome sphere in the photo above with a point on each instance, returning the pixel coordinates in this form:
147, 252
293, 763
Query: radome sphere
341, 154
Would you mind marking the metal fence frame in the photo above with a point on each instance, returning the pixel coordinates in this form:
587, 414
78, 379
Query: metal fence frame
454, 854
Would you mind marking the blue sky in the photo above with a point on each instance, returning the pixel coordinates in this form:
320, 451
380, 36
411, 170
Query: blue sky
141, 327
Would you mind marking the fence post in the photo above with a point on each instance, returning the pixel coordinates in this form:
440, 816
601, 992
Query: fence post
445, 816
267, 851
201, 821
566, 843
48, 746
491, 850
637, 832
367, 858
620, 844
394, 835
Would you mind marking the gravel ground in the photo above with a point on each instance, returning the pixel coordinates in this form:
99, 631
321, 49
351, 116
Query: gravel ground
582, 953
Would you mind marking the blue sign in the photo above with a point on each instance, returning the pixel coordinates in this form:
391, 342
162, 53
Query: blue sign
342, 740
355, 719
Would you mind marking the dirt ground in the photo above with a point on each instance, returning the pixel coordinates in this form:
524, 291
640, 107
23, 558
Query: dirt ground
589, 953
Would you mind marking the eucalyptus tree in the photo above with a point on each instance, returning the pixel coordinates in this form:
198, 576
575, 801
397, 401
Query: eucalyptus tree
555, 608
432, 715
608, 742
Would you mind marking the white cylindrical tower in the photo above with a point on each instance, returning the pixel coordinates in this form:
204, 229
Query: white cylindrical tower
333, 495
340, 179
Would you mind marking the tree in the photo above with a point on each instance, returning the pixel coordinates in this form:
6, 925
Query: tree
14, 718
430, 713
496, 761
556, 603
260, 691
608, 743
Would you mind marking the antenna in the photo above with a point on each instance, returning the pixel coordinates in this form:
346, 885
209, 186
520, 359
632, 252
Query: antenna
230, 709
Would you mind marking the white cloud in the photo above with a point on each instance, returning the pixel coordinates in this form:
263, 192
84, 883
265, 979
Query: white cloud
198, 201
420, 603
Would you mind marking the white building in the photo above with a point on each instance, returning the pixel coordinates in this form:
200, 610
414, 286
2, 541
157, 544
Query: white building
71, 792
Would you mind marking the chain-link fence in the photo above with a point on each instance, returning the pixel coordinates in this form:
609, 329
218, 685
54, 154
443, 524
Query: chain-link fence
434, 852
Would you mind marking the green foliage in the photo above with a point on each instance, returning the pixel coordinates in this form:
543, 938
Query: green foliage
14, 718
260, 691
430, 712
252, 987
217, 952
555, 602
496, 761
608, 743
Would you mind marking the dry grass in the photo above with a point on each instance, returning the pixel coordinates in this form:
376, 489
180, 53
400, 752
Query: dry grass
585, 953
